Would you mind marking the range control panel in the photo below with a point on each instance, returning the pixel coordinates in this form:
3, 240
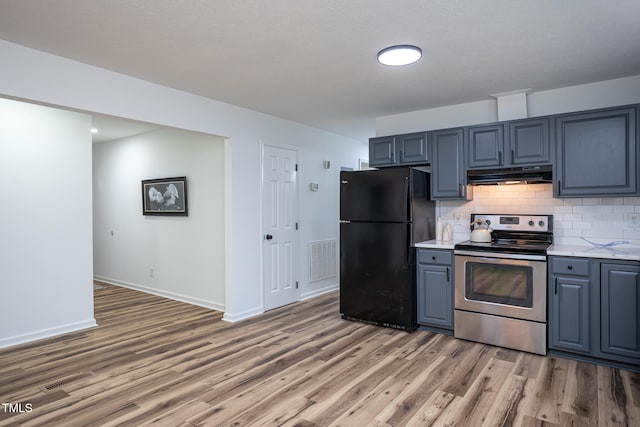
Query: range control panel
536, 223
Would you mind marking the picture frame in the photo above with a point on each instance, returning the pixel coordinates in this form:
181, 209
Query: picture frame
165, 196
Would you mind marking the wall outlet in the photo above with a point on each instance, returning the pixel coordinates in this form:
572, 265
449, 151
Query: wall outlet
632, 220
457, 218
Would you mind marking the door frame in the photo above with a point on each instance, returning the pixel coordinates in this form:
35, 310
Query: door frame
296, 213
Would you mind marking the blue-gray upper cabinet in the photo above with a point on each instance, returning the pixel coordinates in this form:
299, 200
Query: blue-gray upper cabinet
382, 151
596, 153
526, 143
413, 148
620, 310
407, 149
485, 146
448, 175
529, 142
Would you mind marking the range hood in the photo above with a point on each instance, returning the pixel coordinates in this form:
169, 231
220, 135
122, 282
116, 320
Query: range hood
528, 174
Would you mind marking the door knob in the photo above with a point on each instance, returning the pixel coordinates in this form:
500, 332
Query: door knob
268, 237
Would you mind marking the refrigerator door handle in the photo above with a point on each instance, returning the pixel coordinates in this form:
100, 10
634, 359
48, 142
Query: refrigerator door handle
344, 221
407, 248
408, 206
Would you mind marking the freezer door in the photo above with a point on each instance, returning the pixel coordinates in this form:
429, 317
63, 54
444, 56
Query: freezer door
377, 273
375, 195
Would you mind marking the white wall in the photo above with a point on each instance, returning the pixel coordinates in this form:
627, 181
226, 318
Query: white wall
438, 118
563, 100
186, 254
40, 77
609, 93
45, 215
322, 205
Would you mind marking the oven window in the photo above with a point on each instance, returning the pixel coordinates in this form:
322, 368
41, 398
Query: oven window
499, 283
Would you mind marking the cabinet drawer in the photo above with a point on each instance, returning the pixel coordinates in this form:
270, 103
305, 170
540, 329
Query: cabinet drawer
573, 266
434, 257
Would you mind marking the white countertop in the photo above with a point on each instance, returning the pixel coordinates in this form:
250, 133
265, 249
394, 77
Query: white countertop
437, 244
569, 247
581, 248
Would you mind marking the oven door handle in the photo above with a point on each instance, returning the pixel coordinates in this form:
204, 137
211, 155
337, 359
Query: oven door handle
498, 255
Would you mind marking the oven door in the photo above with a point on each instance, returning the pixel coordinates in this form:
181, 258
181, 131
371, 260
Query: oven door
511, 285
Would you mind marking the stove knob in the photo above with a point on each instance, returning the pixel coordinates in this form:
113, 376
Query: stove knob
488, 221
541, 223
531, 223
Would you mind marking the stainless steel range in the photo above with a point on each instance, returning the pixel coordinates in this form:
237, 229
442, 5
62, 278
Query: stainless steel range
501, 285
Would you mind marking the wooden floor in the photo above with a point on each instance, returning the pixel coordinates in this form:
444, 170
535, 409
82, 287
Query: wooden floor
157, 361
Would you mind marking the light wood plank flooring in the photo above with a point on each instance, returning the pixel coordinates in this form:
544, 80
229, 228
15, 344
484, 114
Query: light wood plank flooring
157, 361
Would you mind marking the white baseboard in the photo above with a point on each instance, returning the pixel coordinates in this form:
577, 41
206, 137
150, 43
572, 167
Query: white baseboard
47, 333
321, 291
230, 317
257, 311
166, 294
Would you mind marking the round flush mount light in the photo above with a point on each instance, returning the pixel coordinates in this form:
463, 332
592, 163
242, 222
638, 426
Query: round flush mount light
399, 55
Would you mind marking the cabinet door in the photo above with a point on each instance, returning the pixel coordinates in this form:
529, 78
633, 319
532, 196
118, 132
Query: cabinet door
448, 176
435, 296
529, 142
569, 326
596, 154
485, 146
620, 310
382, 151
413, 148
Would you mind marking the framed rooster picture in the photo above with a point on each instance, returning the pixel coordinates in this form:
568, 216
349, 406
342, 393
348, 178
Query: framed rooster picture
165, 196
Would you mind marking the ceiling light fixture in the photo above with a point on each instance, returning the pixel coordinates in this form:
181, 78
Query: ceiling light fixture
399, 55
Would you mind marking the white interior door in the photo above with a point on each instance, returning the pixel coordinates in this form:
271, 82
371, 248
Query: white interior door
280, 207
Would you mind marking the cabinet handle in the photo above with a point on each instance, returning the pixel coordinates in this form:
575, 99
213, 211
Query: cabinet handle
513, 156
570, 267
556, 286
499, 157
447, 274
460, 190
558, 187
433, 258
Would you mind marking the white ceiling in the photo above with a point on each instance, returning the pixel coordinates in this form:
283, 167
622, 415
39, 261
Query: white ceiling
314, 61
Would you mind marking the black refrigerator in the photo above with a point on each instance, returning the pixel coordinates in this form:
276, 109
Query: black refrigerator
383, 213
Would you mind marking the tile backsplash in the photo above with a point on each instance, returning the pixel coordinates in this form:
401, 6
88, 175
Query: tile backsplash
606, 217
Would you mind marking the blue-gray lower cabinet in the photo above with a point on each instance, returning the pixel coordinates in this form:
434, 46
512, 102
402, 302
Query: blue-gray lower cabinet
435, 289
620, 310
594, 310
569, 306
